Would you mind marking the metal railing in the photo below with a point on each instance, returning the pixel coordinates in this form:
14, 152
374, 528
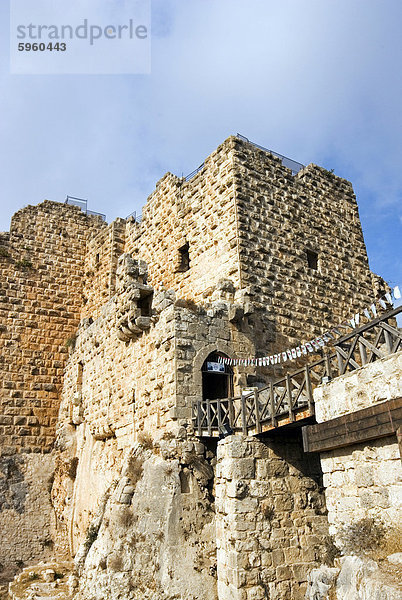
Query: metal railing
136, 216
197, 170
83, 205
290, 398
291, 164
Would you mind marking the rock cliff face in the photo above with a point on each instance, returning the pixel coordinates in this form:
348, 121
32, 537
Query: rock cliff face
153, 535
356, 578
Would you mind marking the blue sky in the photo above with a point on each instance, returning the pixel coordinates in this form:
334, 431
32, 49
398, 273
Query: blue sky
317, 80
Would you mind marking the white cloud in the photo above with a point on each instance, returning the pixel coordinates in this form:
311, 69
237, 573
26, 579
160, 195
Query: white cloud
319, 81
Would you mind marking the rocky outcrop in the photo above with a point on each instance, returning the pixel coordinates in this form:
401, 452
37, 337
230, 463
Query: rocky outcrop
154, 533
355, 578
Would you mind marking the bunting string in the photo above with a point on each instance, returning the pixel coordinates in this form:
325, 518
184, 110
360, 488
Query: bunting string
319, 342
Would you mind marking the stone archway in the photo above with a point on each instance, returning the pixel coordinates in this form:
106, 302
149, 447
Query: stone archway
199, 361
217, 378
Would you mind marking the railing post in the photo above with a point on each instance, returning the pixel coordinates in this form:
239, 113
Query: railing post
272, 402
199, 417
243, 414
289, 393
209, 418
328, 369
363, 353
309, 391
218, 411
388, 339
257, 412
231, 413
340, 361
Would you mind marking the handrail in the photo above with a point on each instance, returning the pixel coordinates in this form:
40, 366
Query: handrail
290, 397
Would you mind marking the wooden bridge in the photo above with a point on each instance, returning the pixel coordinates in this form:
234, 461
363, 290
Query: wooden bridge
289, 399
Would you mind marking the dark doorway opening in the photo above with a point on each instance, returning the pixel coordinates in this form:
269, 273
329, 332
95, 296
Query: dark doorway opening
217, 378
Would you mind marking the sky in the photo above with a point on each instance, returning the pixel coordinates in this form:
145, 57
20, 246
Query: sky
317, 80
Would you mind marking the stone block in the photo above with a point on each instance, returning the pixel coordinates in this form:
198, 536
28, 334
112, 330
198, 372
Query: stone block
241, 468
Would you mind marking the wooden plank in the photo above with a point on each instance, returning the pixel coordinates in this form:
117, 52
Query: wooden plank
231, 413
199, 417
383, 408
362, 349
374, 350
340, 361
350, 439
368, 422
374, 422
388, 338
328, 370
218, 411
396, 346
394, 332
376, 344
367, 417
348, 357
281, 398
371, 324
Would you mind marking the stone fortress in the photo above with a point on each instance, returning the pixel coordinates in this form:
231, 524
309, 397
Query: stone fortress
106, 335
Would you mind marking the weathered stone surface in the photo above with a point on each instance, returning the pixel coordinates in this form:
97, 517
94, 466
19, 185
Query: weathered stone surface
363, 480
260, 503
361, 579
152, 547
27, 522
320, 581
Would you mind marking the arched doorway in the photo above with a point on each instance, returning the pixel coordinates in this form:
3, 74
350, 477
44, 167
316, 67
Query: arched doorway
217, 378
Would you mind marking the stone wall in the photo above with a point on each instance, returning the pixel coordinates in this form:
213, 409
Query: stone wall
226, 254
270, 518
123, 382
41, 284
282, 217
41, 268
103, 251
246, 218
363, 480
27, 521
200, 212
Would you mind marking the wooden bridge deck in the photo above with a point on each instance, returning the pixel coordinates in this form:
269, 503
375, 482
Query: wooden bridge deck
289, 399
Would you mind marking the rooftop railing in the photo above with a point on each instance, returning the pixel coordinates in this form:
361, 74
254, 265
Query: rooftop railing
83, 205
291, 164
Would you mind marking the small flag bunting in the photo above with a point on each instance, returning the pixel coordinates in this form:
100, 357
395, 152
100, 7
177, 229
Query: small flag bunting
317, 343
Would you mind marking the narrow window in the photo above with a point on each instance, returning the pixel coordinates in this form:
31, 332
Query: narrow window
312, 259
145, 305
184, 258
